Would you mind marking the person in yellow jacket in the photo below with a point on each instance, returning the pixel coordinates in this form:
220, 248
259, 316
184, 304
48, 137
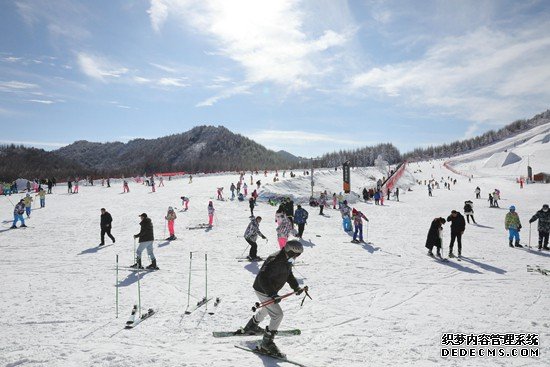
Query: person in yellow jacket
513, 226
28, 204
42, 195
171, 217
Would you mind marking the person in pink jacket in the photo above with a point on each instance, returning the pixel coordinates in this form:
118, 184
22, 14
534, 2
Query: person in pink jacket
284, 228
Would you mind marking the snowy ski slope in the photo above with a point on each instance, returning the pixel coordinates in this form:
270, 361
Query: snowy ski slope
383, 303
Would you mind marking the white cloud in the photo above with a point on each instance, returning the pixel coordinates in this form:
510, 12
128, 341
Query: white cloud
141, 80
486, 76
267, 39
12, 86
42, 101
227, 93
99, 67
164, 68
172, 82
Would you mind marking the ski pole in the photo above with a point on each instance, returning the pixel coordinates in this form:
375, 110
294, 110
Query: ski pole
135, 259
189, 284
530, 235
165, 224
206, 279
139, 291
246, 248
116, 285
258, 305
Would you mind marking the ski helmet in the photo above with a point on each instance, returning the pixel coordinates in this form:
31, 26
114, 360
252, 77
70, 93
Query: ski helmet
293, 248
512, 208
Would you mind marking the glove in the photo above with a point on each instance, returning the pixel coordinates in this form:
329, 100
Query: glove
136, 235
276, 298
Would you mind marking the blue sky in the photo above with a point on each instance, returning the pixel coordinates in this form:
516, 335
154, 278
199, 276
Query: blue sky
305, 76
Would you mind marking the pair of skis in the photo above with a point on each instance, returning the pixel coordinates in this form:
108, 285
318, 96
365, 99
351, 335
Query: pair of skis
200, 226
201, 303
204, 301
537, 269
133, 321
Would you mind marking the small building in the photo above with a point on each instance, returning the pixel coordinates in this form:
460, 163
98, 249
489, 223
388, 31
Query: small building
542, 177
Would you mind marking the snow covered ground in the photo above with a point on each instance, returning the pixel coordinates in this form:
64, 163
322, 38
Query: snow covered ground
383, 303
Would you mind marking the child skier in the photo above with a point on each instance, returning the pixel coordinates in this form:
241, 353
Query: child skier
42, 195
345, 211
513, 226
185, 201
28, 204
358, 223
171, 217
18, 212
251, 235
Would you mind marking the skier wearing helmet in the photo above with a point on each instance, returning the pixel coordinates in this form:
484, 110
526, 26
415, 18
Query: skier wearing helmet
275, 272
171, 217
513, 226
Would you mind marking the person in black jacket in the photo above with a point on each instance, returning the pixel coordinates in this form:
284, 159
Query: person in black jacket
146, 239
105, 225
458, 225
275, 272
434, 236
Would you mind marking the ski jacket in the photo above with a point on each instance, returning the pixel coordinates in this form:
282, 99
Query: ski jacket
468, 209
232, 187
285, 227
288, 208
211, 210
146, 232
106, 220
42, 194
19, 208
512, 221
300, 216
253, 230
458, 224
274, 273
171, 215
434, 234
478, 191
358, 218
28, 201
322, 200
345, 211
544, 220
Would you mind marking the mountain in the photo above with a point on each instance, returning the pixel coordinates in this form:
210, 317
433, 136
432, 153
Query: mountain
203, 148
20, 161
289, 157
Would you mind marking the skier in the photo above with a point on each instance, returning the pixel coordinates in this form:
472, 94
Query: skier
258, 183
334, 200
377, 198
358, 223
284, 228
238, 187
469, 210
125, 187
458, 225
429, 190
146, 238
69, 187
490, 200
171, 217
300, 218
161, 183
496, 198
105, 224
185, 201
245, 189
478, 193
232, 189
28, 204
322, 202
255, 196
50, 185
211, 211
219, 190
109, 183
274, 273
190, 178
434, 236
345, 211
365, 194
397, 193
18, 212
75, 191
288, 208
152, 182
543, 217
251, 204
513, 226
251, 235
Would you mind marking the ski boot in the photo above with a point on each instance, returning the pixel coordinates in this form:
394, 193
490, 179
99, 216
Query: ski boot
267, 345
511, 243
540, 248
153, 265
438, 253
23, 226
430, 253
101, 244
137, 265
459, 253
13, 227
546, 248
251, 328
518, 245
451, 255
